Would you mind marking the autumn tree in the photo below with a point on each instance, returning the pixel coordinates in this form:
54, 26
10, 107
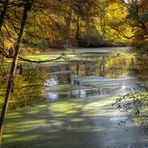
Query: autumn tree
26, 9
137, 18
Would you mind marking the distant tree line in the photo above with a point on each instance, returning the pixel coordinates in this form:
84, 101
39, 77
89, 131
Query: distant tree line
64, 24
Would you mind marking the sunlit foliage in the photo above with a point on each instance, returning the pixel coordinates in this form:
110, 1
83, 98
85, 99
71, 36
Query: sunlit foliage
119, 60
66, 23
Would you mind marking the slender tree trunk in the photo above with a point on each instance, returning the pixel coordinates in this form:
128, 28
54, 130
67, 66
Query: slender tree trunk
88, 29
103, 25
78, 29
68, 24
68, 29
13, 69
2, 15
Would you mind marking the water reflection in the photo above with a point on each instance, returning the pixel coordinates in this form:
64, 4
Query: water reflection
85, 86
52, 96
82, 93
51, 82
79, 97
72, 94
80, 79
123, 88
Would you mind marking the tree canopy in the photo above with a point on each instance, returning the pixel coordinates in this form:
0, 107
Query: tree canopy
66, 23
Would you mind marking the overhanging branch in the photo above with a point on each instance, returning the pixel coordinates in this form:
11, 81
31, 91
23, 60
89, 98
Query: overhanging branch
43, 61
121, 33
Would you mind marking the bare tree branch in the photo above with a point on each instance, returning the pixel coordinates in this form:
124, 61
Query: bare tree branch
121, 33
8, 32
43, 61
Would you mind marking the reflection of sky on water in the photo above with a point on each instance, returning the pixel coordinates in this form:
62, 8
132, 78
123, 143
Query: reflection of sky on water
123, 87
51, 82
79, 93
82, 93
52, 96
129, 87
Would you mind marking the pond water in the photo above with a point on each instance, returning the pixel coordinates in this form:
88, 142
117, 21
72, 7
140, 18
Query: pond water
69, 104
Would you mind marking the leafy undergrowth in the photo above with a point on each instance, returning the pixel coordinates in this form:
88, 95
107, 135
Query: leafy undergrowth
135, 104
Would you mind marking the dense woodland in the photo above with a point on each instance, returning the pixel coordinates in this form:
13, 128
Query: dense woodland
36, 26
65, 24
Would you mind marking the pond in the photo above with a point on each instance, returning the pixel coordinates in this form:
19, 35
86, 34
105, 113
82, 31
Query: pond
69, 103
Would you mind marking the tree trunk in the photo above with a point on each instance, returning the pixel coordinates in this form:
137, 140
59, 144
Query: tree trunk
88, 29
13, 68
78, 29
68, 20
5, 6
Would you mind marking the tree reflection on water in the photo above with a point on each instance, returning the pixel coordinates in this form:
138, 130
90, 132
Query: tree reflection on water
37, 83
